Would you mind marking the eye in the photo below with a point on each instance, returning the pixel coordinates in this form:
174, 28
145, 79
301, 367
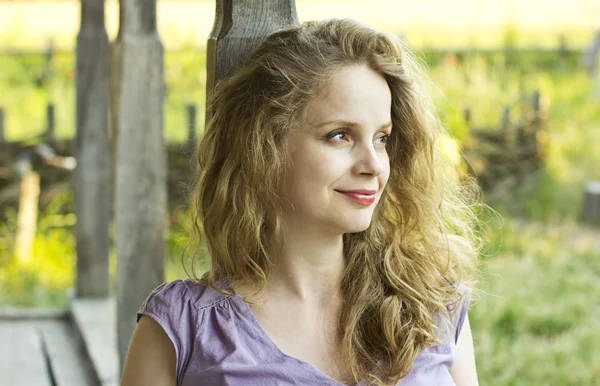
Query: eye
384, 138
341, 133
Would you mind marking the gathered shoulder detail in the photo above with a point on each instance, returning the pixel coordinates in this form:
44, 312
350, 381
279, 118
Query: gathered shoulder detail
178, 306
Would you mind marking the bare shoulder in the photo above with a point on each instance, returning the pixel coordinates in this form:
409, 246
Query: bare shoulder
464, 371
151, 357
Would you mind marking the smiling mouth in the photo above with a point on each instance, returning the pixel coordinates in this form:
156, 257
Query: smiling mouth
359, 198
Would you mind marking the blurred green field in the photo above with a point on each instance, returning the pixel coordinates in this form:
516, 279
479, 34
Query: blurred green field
537, 319
26, 86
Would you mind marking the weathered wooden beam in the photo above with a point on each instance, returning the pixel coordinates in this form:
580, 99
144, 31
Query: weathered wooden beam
141, 191
240, 26
92, 177
116, 58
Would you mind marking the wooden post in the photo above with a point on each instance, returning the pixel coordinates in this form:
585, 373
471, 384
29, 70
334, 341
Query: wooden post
46, 74
116, 57
536, 101
50, 122
141, 193
521, 83
590, 56
240, 26
562, 52
505, 123
92, 177
27, 215
28, 208
191, 124
467, 116
534, 114
538, 132
591, 205
2, 139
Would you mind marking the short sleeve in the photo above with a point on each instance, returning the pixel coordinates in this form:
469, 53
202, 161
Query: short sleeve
459, 317
171, 306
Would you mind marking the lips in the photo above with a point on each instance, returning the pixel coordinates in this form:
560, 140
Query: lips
360, 196
366, 192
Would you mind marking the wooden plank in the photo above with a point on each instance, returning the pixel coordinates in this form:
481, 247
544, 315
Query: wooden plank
23, 314
69, 367
94, 321
22, 361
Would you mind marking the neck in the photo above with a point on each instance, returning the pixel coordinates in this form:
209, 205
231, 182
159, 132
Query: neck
310, 266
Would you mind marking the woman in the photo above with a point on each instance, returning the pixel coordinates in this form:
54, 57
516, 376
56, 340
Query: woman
342, 248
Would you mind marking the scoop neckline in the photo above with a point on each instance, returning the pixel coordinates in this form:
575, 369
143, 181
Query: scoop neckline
245, 307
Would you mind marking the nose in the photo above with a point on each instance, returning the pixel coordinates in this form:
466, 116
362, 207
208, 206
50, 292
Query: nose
369, 160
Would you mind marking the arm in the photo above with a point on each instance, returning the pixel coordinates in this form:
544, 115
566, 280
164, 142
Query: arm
463, 371
151, 357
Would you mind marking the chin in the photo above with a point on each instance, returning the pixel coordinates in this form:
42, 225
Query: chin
358, 225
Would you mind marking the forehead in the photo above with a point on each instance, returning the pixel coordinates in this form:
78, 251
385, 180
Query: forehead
354, 93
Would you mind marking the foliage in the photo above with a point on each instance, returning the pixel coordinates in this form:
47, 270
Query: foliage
41, 280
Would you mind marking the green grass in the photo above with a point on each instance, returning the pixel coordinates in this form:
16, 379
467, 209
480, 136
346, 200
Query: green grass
537, 316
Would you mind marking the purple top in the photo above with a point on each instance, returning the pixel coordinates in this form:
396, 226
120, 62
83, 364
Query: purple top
219, 342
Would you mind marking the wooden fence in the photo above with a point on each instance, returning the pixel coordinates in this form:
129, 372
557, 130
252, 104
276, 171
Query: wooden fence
512, 149
49, 132
53, 161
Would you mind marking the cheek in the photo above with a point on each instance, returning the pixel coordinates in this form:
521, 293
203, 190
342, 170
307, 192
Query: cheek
313, 172
385, 174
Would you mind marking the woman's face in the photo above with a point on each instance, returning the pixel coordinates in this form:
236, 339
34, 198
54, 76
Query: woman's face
339, 148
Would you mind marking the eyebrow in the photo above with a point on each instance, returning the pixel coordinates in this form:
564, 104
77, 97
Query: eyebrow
342, 122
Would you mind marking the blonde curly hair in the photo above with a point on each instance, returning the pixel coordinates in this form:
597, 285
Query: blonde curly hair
401, 271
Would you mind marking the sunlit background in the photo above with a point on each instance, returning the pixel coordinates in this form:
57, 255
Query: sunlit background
513, 86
